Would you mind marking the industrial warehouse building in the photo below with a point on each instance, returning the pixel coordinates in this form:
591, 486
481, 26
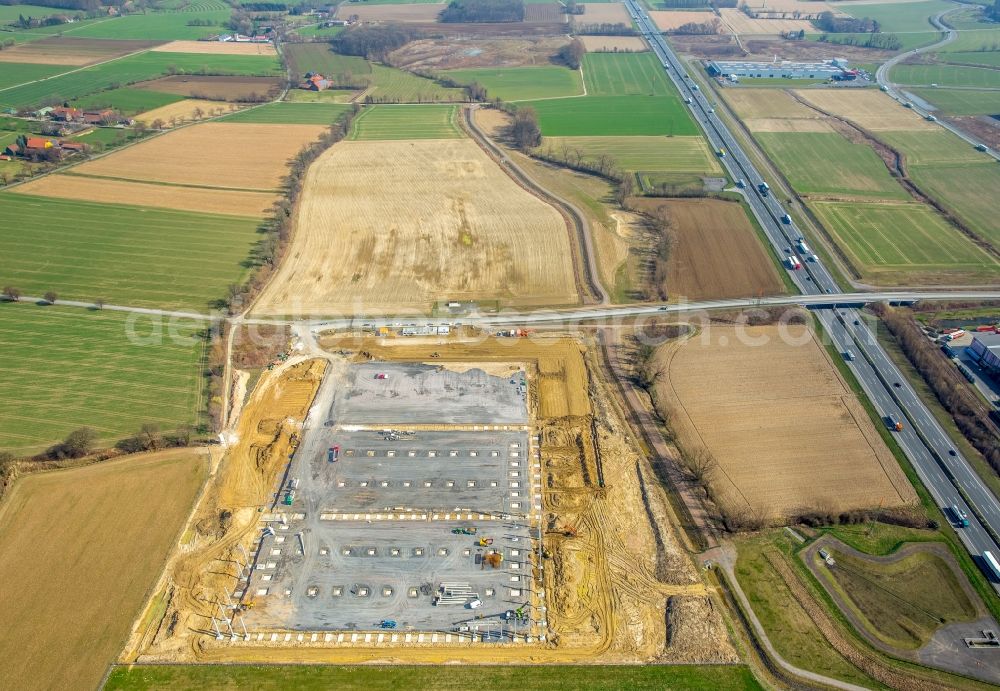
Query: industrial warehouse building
986, 349
832, 69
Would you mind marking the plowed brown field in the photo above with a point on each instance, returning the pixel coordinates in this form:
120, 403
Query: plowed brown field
668, 20
603, 13
60, 50
612, 44
215, 88
183, 111
389, 226
212, 201
786, 432
716, 253
79, 548
237, 156
414, 12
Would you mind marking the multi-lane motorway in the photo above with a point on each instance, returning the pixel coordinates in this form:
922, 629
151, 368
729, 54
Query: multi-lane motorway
947, 475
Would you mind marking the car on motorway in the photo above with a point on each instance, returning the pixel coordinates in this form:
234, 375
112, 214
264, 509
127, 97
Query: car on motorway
951, 452
896, 385
788, 250
741, 183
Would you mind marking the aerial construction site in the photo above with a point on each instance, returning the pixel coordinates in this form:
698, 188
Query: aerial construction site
423, 497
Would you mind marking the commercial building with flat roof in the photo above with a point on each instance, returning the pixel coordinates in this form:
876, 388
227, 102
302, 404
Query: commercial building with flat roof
777, 70
986, 349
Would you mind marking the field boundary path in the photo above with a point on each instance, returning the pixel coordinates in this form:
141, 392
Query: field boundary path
584, 242
725, 557
893, 90
983, 621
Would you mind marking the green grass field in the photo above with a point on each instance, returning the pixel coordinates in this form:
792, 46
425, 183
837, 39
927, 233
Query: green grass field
292, 113
973, 57
328, 96
14, 73
103, 138
790, 628
957, 101
979, 39
450, 678
9, 13
156, 26
522, 83
907, 16
968, 191
313, 31
62, 368
625, 74
827, 163
128, 101
908, 41
132, 69
903, 603
594, 116
317, 57
936, 147
947, 75
406, 122
644, 154
123, 254
896, 242
396, 86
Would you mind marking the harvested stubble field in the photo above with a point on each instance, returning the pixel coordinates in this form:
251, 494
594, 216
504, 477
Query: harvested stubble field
82, 546
646, 154
603, 13
216, 88
786, 432
388, 226
613, 44
739, 23
522, 83
716, 253
411, 12
668, 20
905, 243
445, 54
62, 50
406, 122
827, 163
214, 154
217, 48
607, 588
133, 255
184, 111
773, 110
867, 108
210, 201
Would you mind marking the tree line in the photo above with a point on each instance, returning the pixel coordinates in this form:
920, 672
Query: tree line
487, 11
373, 42
971, 415
831, 23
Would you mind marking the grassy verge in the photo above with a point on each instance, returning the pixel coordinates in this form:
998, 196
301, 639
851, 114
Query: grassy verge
893, 536
375, 678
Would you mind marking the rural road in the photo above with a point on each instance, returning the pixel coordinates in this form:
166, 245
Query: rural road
943, 470
882, 77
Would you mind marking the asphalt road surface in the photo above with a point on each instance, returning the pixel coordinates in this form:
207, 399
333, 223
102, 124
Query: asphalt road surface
943, 470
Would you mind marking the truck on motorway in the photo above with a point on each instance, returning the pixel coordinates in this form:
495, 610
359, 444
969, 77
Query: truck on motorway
793, 262
849, 355
956, 334
763, 188
803, 247
961, 519
991, 563
688, 100
892, 423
